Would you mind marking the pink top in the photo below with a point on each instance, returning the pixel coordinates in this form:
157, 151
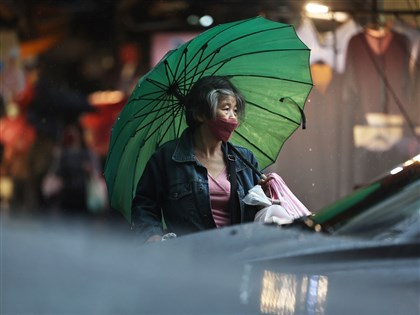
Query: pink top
219, 197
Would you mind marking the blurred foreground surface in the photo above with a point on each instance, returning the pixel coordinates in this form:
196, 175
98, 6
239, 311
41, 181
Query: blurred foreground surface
360, 255
74, 267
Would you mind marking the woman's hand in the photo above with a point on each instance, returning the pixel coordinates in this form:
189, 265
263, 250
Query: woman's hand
264, 182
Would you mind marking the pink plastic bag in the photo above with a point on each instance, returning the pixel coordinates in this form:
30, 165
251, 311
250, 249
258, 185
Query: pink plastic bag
280, 193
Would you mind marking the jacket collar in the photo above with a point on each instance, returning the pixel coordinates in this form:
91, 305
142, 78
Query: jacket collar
184, 151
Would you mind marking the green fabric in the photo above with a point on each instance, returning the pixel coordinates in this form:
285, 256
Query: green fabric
265, 60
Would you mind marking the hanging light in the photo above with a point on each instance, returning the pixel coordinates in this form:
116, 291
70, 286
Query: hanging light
206, 20
316, 8
323, 12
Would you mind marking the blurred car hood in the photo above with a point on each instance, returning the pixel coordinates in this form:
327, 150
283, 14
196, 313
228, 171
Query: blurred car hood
364, 259
246, 269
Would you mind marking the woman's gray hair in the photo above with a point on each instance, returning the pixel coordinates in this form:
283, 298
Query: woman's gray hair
204, 96
215, 96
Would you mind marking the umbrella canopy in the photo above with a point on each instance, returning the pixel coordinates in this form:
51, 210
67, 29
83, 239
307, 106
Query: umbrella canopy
265, 60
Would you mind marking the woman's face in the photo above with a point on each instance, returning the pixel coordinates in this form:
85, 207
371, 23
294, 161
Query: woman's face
226, 108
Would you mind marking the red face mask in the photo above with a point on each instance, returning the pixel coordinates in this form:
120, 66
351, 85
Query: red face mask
222, 128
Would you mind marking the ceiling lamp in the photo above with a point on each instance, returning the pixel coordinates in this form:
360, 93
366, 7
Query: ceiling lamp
206, 20
312, 7
323, 12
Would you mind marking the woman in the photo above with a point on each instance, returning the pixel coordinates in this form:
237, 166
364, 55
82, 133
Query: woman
188, 180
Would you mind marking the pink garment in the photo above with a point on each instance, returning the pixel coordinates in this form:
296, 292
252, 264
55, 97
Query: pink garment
278, 191
219, 198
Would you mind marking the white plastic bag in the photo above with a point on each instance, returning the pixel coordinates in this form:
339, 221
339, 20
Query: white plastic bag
269, 213
257, 197
273, 214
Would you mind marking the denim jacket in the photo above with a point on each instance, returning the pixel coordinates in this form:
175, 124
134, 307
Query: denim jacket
174, 184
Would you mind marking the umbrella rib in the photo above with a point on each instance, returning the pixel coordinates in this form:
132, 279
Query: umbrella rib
176, 113
238, 38
246, 35
184, 54
158, 84
205, 68
221, 63
265, 51
163, 108
137, 116
184, 71
167, 71
175, 78
134, 117
157, 101
173, 87
220, 66
150, 97
203, 47
255, 147
271, 77
150, 124
153, 132
200, 60
251, 34
158, 116
195, 69
179, 112
162, 97
212, 54
147, 138
274, 113
157, 128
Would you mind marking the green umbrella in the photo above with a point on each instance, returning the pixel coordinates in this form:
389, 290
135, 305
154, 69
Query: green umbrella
264, 59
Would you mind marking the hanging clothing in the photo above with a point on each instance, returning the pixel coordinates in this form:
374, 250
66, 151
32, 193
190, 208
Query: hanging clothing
375, 88
328, 47
413, 34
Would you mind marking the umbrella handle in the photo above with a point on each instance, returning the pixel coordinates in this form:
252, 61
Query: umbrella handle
260, 174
